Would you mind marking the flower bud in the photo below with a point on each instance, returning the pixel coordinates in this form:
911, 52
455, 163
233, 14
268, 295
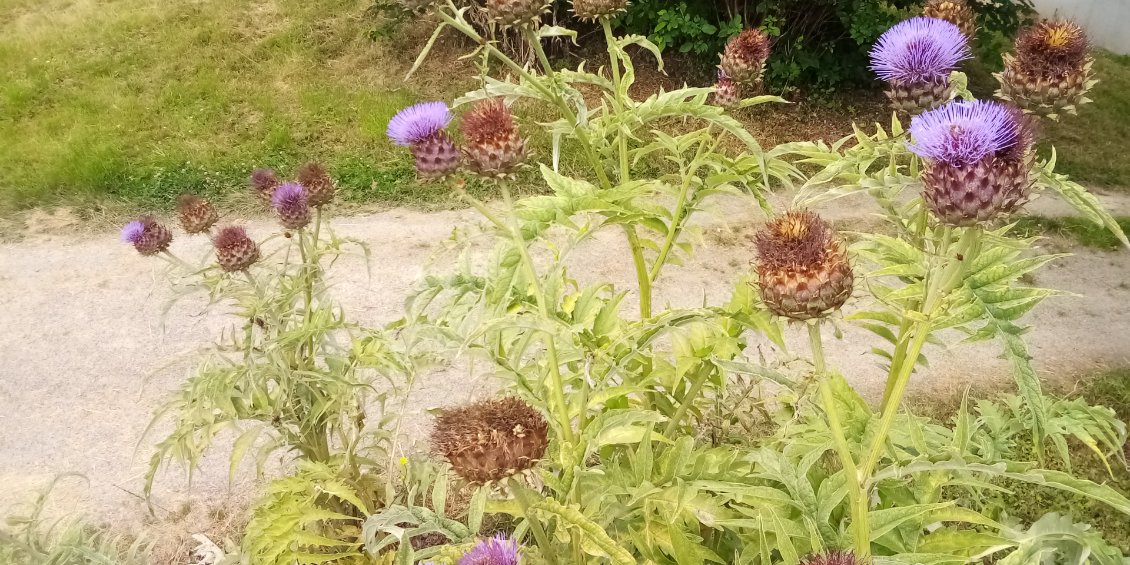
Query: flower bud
915, 57
147, 235
264, 182
491, 140
234, 250
1050, 71
320, 189
598, 9
421, 128
978, 160
516, 13
802, 271
744, 58
291, 205
491, 439
956, 12
196, 214
727, 93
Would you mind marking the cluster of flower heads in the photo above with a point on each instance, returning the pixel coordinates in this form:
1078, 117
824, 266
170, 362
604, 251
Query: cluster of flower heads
492, 144
915, 57
741, 67
235, 250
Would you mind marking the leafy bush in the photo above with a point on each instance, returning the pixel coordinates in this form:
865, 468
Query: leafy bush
615, 446
820, 44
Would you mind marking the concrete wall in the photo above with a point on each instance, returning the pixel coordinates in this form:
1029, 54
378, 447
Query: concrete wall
1107, 21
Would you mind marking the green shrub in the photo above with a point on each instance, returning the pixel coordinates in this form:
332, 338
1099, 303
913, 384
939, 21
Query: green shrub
819, 44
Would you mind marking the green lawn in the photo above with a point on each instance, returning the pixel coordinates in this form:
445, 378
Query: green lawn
136, 101
140, 100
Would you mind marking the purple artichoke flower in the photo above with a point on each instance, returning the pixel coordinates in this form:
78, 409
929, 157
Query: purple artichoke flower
978, 160
132, 231
291, 205
498, 550
421, 127
919, 50
916, 57
418, 122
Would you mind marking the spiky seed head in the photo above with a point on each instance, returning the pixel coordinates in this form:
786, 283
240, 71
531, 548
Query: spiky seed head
491, 439
235, 251
803, 271
147, 235
727, 93
436, 156
956, 12
491, 140
291, 205
498, 550
831, 558
978, 160
598, 9
197, 215
1051, 70
264, 182
320, 189
516, 13
743, 59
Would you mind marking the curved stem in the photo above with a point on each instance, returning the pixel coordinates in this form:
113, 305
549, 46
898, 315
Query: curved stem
642, 275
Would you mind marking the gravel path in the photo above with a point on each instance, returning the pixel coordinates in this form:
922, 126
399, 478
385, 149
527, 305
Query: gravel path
88, 355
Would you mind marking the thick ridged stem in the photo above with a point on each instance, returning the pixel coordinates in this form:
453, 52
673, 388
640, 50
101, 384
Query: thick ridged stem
857, 496
946, 275
168, 256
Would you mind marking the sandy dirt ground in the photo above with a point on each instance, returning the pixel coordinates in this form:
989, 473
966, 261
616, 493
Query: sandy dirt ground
88, 356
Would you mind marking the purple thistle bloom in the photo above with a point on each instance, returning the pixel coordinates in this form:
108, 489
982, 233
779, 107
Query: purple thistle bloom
963, 133
919, 50
132, 231
288, 195
418, 122
498, 550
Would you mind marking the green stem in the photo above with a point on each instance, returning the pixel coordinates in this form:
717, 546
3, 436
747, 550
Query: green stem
307, 296
522, 496
857, 496
698, 380
946, 275
168, 256
617, 102
642, 276
557, 384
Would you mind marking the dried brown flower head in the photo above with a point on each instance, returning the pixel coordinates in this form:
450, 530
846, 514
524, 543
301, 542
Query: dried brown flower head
1052, 49
956, 12
803, 272
491, 140
235, 251
320, 189
197, 215
491, 439
598, 9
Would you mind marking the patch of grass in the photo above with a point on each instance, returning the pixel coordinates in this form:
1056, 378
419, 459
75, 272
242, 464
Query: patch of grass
140, 100
1091, 147
1080, 230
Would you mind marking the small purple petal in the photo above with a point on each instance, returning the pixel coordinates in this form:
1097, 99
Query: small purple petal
498, 550
417, 122
919, 50
962, 133
288, 194
132, 231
